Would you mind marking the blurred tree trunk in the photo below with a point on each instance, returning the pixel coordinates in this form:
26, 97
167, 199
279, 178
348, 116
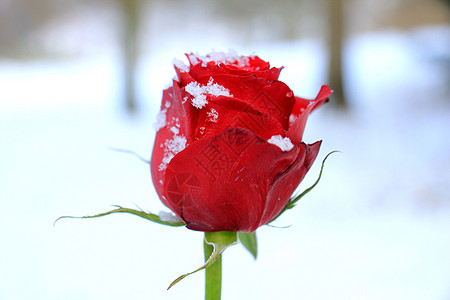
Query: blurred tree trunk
335, 42
130, 10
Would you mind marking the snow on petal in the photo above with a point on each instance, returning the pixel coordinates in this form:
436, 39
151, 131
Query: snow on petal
175, 130
160, 120
284, 144
212, 115
161, 117
232, 57
172, 147
216, 89
199, 92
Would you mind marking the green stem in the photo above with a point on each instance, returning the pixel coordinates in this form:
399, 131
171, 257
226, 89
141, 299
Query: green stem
213, 275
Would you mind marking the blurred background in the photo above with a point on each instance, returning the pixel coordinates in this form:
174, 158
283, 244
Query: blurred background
81, 78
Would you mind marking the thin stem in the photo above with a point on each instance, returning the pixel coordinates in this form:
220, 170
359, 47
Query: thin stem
213, 275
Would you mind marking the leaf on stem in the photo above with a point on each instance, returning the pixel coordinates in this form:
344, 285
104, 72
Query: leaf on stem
140, 213
220, 241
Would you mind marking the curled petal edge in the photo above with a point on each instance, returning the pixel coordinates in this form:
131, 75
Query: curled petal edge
295, 132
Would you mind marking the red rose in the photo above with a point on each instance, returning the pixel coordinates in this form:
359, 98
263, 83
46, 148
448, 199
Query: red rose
228, 152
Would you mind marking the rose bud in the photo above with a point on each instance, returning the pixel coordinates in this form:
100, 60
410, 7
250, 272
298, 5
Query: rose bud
228, 152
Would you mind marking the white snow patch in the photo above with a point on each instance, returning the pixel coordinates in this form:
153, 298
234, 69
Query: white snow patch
168, 217
216, 89
166, 160
161, 117
212, 115
175, 130
160, 120
284, 144
172, 147
199, 92
177, 144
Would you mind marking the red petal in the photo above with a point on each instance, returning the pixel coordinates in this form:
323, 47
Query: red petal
231, 112
274, 98
257, 67
301, 111
301, 104
221, 183
258, 64
184, 110
184, 78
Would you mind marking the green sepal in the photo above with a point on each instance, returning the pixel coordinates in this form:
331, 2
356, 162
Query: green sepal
249, 241
293, 201
140, 213
220, 240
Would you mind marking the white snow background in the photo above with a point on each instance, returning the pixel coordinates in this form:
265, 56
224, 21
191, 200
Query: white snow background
376, 227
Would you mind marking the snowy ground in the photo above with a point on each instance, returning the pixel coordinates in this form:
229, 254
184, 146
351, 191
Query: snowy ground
377, 227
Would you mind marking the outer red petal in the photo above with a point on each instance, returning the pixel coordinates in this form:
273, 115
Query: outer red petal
221, 183
301, 111
158, 149
179, 117
283, 185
